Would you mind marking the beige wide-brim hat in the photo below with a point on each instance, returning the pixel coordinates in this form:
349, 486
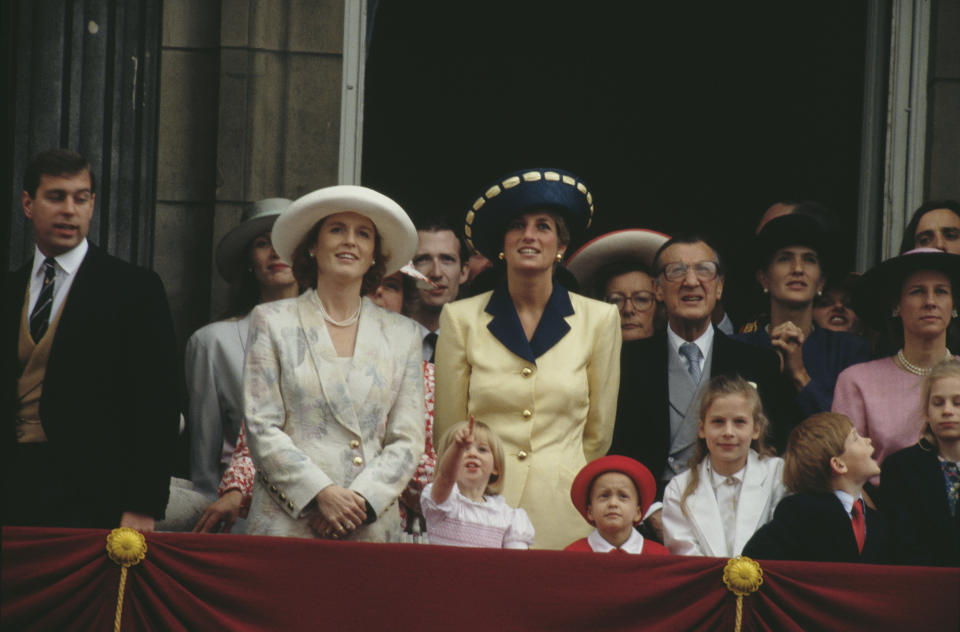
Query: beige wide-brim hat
398, 236
629, 245
257, 219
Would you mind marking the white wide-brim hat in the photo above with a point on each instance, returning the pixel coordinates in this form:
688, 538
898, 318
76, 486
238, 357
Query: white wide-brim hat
398, 236
257, 219
632, 244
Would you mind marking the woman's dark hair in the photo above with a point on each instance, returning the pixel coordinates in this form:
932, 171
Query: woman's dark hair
910, 232
305, 267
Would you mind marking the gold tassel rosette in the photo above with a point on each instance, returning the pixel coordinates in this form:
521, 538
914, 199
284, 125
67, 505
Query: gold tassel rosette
742, 576
126, 547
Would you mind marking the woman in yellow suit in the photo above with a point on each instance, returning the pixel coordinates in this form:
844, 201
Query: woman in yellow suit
538, 364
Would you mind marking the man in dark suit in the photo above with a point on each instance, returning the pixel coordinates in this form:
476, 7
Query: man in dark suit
91, 398
661, 377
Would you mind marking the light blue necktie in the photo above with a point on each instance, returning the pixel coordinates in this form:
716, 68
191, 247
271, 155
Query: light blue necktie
692, 353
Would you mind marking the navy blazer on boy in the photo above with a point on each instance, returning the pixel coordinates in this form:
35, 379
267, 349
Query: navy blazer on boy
642, 429
109, 404
816, 528
913, 494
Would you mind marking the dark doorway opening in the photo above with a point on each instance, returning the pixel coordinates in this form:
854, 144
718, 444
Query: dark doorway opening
679, 116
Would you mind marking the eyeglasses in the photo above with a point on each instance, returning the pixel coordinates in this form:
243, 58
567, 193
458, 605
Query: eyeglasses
677, 271
642, 301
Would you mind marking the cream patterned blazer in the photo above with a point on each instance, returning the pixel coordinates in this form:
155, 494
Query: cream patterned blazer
314, 420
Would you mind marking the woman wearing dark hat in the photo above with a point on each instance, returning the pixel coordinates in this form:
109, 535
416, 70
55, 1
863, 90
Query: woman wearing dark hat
333, 384
616, 268
538, 364
883, 398
213, 362
790, 269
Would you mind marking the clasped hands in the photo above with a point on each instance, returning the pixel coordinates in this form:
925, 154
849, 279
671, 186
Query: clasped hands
340, 512
787, 340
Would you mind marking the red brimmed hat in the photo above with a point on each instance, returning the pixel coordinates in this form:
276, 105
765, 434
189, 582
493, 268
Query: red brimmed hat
637, 471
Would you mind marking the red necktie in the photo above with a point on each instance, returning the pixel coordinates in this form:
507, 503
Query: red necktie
859, 524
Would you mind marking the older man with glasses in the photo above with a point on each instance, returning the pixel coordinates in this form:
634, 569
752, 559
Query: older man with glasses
662, 376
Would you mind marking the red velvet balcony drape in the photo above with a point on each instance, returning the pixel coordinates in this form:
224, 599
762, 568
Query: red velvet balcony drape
61, 579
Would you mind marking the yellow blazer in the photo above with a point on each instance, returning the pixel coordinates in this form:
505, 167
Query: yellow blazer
552, 401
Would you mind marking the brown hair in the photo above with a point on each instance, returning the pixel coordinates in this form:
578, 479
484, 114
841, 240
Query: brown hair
806, 467
723, 386
947, 368
305, 268
481, 431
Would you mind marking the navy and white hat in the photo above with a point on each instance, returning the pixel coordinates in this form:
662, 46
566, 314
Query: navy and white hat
522, 192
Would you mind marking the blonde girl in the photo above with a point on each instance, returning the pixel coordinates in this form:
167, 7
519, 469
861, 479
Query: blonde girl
920, 485
463, 505
734, 482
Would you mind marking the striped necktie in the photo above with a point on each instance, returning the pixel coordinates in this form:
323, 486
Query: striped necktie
40, 317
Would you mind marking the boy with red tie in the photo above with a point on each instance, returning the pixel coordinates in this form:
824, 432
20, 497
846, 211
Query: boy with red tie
826, 463
613, 493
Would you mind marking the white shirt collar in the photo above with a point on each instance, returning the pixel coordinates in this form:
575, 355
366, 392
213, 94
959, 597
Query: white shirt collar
846, 499
68, 261
705, 341
719, 479
634, 543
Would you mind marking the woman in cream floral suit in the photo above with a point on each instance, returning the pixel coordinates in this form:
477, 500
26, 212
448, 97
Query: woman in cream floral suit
333, 384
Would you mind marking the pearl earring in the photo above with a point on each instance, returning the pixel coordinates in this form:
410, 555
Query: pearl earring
501, 256
819, 292
559, 257
766, 291
953, 314
896, 311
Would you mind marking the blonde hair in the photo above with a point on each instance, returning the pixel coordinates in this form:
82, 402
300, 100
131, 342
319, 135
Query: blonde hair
724, 386
946, 369
806, 467
481, 432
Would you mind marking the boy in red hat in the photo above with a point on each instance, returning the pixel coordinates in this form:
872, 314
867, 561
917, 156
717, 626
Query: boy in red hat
613, 493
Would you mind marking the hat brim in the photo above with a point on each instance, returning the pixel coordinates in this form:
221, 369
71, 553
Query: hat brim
637, 471
629, 245
398, 236
232, 248
880, 287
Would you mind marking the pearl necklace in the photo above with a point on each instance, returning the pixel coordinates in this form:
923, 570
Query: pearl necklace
913, 368
346, 322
